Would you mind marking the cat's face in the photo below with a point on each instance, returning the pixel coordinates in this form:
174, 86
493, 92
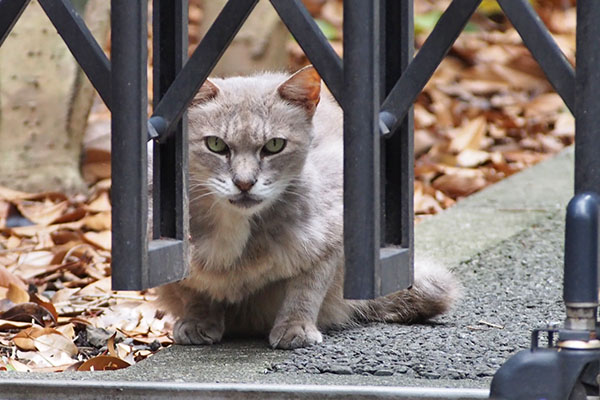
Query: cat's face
249, 138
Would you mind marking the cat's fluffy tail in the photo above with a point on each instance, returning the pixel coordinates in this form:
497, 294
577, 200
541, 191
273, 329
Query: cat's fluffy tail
433, 292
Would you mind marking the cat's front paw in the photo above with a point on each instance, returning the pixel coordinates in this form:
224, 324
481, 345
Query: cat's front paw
291, 335
197, 331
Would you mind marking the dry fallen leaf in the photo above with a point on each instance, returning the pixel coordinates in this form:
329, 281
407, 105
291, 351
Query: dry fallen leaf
26, 312
17, 294
459, 185
469, 135
99, 239
56, 342
100, 204
103, 363
6, 324
7, 278
25, 340
42, 213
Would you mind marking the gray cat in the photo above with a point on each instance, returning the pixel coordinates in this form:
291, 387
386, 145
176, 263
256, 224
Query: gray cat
267, 220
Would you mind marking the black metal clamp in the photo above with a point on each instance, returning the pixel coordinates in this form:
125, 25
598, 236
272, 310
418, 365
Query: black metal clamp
569, 368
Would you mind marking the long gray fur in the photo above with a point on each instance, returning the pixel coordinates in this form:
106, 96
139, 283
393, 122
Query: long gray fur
267, 229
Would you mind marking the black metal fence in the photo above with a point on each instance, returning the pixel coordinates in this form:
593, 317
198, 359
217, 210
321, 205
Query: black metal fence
376, 84
378, 185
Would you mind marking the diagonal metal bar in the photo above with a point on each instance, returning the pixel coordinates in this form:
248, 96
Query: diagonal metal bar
413, 80
314, 43
544, 49
82, 44
10, 11
171, 107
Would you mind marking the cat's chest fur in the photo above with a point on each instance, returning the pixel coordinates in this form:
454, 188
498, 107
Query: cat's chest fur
234, 256
237, 250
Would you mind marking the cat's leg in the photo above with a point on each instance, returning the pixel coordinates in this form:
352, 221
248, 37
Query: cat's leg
295, 324
203, 320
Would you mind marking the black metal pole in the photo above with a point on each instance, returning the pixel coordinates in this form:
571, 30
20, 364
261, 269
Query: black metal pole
397, 151
581, 262
167, 258
361, 147
129, 117
587, 106
170, 157
567, 369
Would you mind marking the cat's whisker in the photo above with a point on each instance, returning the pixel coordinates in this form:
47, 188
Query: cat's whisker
301, 195
201, 196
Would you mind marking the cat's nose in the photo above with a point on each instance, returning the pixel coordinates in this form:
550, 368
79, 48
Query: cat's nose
243, 184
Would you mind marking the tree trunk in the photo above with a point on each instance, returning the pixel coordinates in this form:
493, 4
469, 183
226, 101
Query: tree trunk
44, 103
259, 46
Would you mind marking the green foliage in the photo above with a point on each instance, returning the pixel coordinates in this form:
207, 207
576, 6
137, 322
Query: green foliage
330, 31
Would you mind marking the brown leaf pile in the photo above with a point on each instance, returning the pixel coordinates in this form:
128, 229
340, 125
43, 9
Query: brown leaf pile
57, 311
488, 111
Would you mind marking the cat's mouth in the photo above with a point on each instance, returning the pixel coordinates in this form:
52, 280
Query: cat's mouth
245, 200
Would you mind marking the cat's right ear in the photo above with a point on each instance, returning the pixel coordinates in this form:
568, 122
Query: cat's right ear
207, 92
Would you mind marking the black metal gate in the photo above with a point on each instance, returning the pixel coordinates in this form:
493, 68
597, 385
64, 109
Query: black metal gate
378, 170
378, 64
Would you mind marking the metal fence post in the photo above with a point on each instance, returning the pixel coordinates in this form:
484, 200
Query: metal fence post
397, 157
361, 147
587, 104
170, 158
129, 117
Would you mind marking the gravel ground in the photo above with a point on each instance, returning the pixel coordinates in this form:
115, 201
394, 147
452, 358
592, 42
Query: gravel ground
508, 290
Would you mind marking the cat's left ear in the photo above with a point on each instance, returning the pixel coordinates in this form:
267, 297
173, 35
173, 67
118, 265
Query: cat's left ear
207, 92
303, 88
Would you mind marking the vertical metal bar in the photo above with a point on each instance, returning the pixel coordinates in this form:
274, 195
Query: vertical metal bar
170, 156
587, 106
129, 116
397, 150
361, 147
10, 11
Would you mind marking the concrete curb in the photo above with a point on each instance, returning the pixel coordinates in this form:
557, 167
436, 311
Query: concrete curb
493, 215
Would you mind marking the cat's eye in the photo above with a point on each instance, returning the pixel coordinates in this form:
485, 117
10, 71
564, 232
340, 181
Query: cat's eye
274, 146
216, 145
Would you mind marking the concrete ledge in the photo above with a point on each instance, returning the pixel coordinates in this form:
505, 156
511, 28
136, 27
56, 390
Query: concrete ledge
498, 212
26, 389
